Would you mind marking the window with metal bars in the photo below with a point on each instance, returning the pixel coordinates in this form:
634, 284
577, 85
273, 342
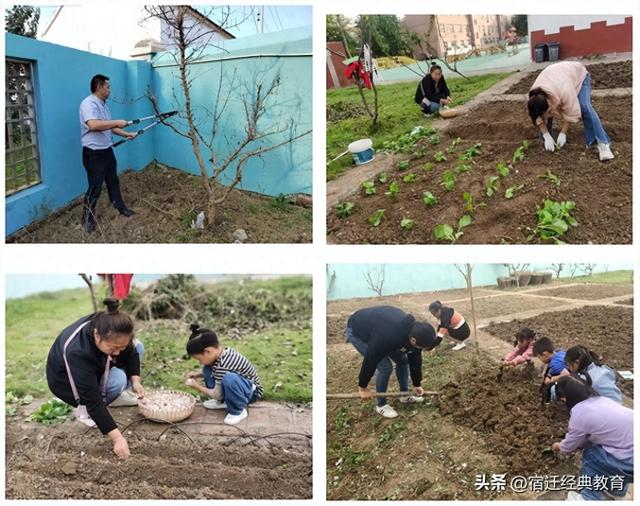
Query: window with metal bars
22, 159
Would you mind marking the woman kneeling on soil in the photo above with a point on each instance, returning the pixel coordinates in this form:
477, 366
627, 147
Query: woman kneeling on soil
231, 381
563, 90
522, 352
603, 430
432, 92
452, 324
587, 364
386, 334
90, 365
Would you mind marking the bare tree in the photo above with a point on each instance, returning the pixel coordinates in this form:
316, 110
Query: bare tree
573, 269
374, 276
260, 136
429, 51
87, 279
466, 271
557, 269
587, 269
515, 270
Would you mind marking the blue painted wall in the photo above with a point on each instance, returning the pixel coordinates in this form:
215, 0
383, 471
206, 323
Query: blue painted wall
61, 82
346, 281
241, 61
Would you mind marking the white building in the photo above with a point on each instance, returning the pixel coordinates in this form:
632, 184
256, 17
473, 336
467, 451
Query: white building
119, 30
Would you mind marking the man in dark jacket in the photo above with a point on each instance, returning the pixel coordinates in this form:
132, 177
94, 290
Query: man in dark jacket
386, 334
432, 92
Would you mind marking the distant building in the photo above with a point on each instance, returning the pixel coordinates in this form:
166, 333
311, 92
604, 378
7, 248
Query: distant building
120, 30
336, 54
580, 36
457, 34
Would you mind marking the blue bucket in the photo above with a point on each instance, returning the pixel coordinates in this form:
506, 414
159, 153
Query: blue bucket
361, 151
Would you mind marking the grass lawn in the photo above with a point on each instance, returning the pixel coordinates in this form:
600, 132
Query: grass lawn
612, 277
281, 355
398, 114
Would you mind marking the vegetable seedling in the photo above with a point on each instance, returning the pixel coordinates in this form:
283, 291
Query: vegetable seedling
518, 154
407, 224
448, 180
427, 167
462, 167
554, 220
551, 177
439, 156
492, 185
393, 189
434, 139
409, 178
454, 145
512, 190
51, 412
503, 170
469, 204
406, 142
384, 177
403, 165
369, 187
471, 152
445, 232
429, 199
344, 210
376, 217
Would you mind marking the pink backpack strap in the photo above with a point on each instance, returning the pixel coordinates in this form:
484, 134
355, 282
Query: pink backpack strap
74, 390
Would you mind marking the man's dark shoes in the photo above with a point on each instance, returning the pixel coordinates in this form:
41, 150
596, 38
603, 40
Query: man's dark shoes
125, 211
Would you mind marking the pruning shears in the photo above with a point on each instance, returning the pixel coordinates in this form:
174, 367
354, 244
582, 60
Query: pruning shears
159, 119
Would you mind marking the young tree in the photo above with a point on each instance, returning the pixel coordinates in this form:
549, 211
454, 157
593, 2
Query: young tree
339, 29
557, 269
22, 20
466, 271
87, 279
521, 22
374, 276
220, 158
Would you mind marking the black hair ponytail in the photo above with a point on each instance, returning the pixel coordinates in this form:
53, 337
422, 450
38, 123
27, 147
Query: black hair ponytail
524, 334
435, 306
574, 389
201, 339
112, 321
538, 103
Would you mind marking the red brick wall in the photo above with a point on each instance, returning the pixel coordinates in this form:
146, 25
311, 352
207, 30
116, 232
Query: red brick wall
598, 39
339, 67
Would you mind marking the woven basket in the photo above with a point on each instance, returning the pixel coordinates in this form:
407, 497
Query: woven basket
166, 414
449, 113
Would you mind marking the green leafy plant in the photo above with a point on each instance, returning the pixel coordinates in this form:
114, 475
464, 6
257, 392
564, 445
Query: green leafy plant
454, 145
429, 199
448, 180
525, 144
407, 224
406, 142
512, 190
554, 220
393, 189
376, 217
427, 167
409, 178
403, 165
434, 139
383, 178
344, 210
369, 187
471, 152
470, 206
551, 177
492, 185
503, 170
445, 232
462, 167
13, 401
518, 154
51, 412
439, 156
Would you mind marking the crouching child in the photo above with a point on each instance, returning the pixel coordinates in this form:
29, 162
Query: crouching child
554, 367
230, 379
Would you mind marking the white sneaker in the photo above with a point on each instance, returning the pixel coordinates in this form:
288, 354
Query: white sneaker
604, 151
459, 346
214, 404
409, 399
235, 419
386, 411
126, 398
82, 416
574, 496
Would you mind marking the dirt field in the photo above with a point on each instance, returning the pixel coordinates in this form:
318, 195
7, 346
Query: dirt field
166, 201
56, 464
588, 291
608, 330
627, 302
603, 76
601, 192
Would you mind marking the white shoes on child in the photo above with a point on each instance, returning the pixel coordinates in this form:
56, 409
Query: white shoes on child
82, 416
235, 419
604, 152
126, 398
214, 404
386, 411
459, 346
410, 399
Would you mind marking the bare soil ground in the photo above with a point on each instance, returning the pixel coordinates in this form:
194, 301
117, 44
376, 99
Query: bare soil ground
67, 462
166, 201
601, 191
588, 291
603, 76
608, 330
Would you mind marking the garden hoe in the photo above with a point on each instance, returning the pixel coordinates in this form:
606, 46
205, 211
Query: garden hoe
355, 395
159, 119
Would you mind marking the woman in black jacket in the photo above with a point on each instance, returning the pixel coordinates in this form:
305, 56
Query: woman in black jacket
91, 363
432, 92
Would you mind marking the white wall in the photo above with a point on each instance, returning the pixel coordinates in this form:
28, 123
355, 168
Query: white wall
552, 24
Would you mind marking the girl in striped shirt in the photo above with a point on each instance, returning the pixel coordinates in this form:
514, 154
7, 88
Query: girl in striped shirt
230, 380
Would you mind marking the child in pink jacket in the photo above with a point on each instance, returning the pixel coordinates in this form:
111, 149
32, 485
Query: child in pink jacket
522, 348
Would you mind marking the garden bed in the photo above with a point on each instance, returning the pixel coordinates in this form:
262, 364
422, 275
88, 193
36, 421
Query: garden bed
601, 191
607, 330
166, 201
603, 76
626, 302
61, 465
588, 291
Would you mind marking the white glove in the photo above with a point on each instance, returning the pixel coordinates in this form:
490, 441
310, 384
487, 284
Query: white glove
549, 145
562, 139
